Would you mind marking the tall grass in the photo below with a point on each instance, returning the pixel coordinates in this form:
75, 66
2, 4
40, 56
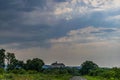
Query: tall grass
98, 78
37, 76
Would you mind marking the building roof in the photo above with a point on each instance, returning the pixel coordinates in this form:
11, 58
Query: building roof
56, 63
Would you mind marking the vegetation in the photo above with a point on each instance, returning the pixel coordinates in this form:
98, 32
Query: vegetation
109, 74
96, 73
36, 76
2, 58
88, 66
35, 64
94, 78
32, 70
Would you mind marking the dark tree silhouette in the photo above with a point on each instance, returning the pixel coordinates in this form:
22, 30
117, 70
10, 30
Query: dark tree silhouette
10, 58
35, 64
88, 66
2, 58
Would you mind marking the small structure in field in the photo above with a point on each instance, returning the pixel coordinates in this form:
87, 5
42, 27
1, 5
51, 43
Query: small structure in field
57, 65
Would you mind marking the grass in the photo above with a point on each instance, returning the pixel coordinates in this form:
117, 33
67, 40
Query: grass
98, 78
94, 78
37, 76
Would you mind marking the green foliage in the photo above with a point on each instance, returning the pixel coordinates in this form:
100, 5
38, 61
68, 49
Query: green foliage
109, 74
16, 64
2, 58
9, 76
13, 63
32, 72
73, 71
98, 71
35, 64
1, 71
56, 71
36, 76
117, 72
88, 66
59, 71
94, 78
10, 58
18, 71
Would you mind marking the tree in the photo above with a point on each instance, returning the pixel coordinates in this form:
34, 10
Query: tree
88, 66
20, 64
12, 62
35, 64
10, 58
2, 58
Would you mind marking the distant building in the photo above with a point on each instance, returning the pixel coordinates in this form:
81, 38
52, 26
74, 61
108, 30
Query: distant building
57, 65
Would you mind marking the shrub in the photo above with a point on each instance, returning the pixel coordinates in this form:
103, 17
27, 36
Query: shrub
108, 74
9, 76
18, 71
88, 66
32, 72
1, 71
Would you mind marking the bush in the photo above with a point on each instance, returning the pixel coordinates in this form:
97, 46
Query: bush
18, 71
32, 72
88, 66
55, 71
117, 72
1, 71
9, 76
47, 71
97, 72
108, 74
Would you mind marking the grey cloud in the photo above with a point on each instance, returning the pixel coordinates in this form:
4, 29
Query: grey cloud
26, 5
14, 18
35, 3
60, 0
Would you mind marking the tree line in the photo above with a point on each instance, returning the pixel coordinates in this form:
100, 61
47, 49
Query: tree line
13, 63
35, 65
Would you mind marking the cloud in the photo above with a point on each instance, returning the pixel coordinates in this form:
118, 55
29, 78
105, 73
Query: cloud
98, 44
85, 7
105, 54
60, 0
61, 11
35, 22
90, 34
114, 19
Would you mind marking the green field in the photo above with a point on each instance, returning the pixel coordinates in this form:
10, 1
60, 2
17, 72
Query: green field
41, 76
98, 78
38, 76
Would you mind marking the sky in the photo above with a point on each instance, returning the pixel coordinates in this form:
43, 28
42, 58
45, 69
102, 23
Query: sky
67, 31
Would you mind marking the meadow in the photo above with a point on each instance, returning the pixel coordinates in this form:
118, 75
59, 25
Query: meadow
99, 78
37, 76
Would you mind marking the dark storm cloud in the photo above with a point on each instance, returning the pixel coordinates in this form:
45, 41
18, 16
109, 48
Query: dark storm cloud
11, 12
31, 4
26, 5
60, 0
30, 22
12, 30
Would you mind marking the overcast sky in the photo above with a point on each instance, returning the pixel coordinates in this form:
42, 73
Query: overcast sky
68, 31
